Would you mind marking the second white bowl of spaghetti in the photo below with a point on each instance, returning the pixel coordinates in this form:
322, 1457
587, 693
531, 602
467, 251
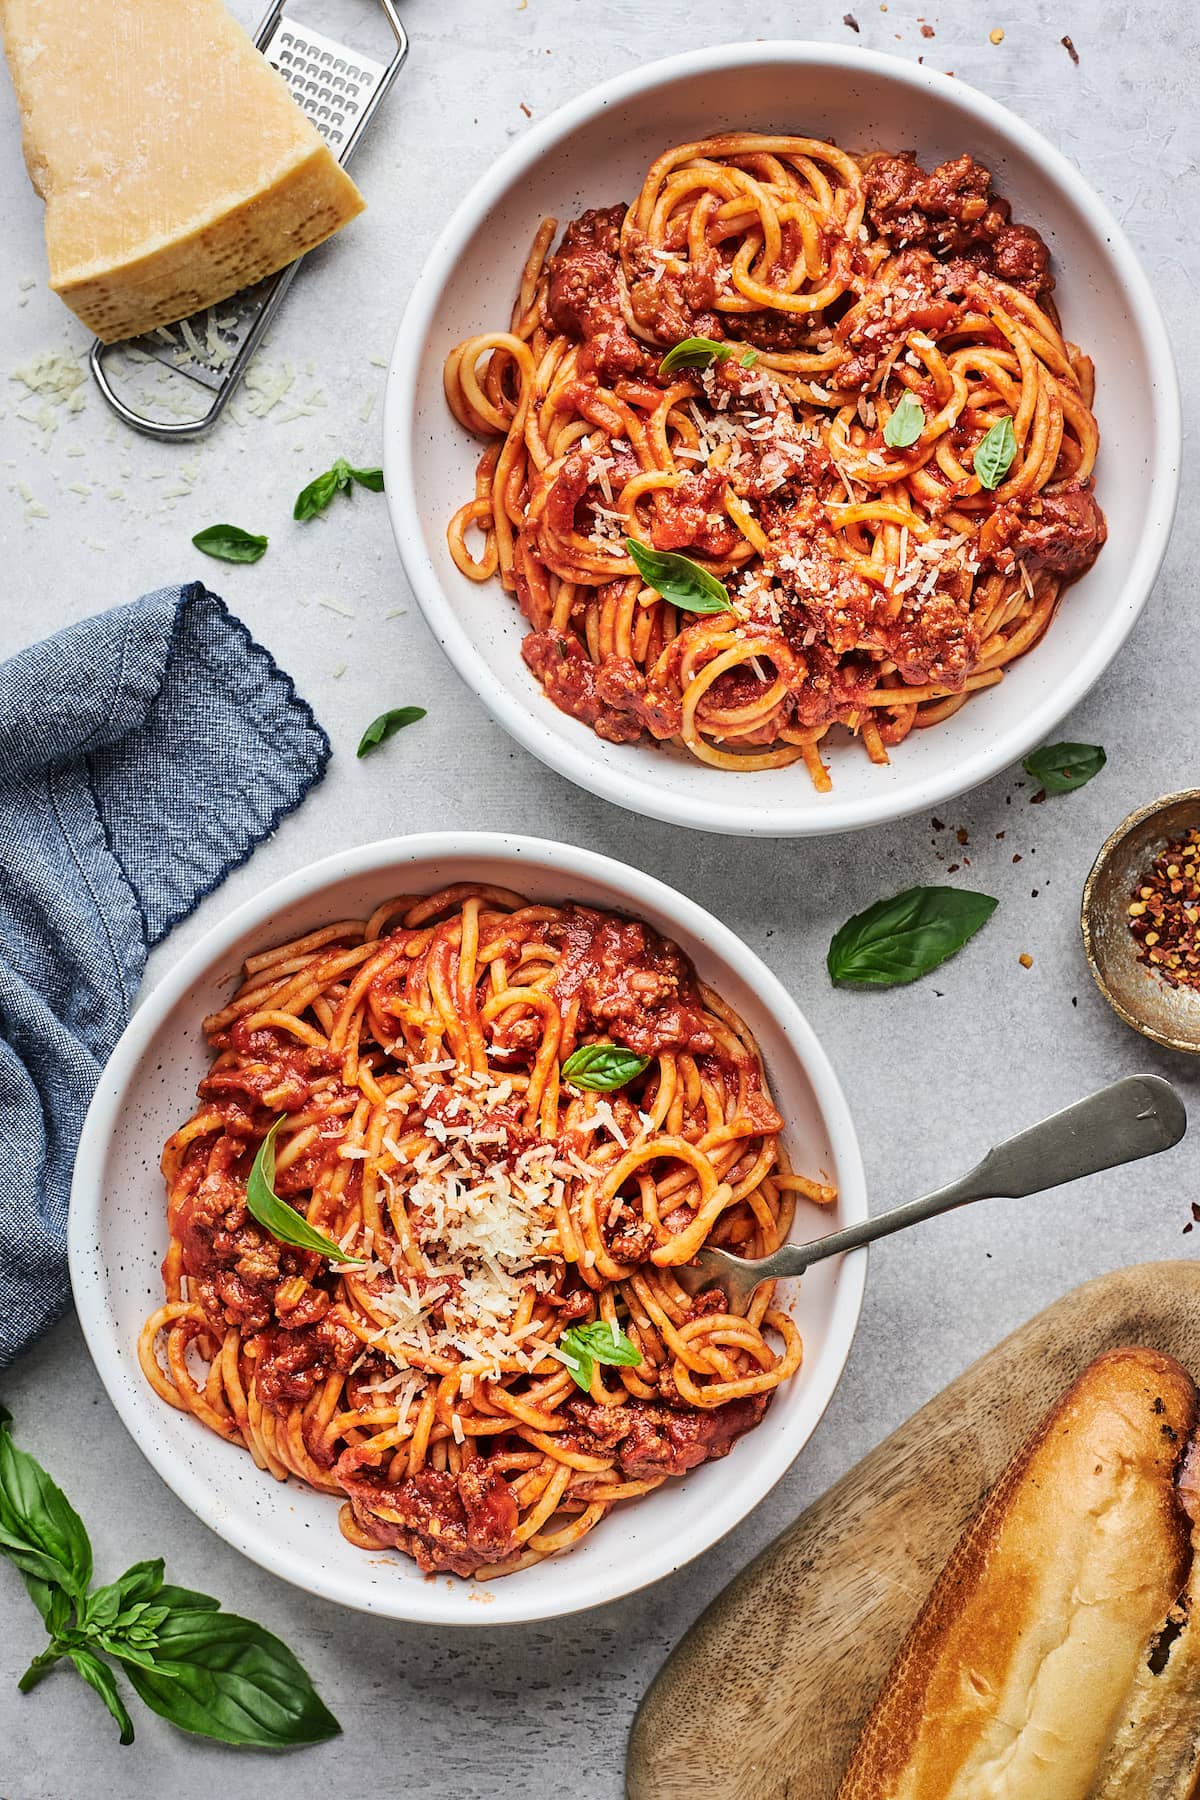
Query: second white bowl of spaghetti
437, 1119
763, 485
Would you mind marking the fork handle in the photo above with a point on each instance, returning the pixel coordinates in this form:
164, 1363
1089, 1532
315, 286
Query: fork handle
1132, 1118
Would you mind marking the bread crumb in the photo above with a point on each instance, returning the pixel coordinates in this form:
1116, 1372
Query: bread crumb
1025, 960
996, 36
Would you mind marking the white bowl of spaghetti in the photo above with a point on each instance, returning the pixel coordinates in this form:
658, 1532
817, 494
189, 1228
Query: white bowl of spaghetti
496, 1380
888, 468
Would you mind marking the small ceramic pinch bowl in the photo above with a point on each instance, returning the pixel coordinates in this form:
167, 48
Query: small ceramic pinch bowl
1168, 1015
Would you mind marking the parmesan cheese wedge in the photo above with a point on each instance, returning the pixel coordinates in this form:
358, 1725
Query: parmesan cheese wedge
175, 166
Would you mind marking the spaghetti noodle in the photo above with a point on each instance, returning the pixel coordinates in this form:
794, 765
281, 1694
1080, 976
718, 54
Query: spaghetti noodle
416, 1062
876, 579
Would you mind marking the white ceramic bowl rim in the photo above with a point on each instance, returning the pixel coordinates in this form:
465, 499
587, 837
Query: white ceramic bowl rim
624, 786
141, 1410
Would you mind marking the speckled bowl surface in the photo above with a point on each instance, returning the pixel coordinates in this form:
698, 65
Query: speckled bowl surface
118, 1237
1169, 1015
594, 152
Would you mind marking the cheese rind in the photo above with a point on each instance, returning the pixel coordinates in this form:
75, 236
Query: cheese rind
175, 167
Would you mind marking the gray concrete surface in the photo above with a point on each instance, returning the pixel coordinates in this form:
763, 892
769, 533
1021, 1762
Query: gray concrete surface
932, 1072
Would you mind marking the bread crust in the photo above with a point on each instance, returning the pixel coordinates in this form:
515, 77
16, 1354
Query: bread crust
1017, 1676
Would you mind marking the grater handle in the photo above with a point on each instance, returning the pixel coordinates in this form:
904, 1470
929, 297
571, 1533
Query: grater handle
100, 353
167, 429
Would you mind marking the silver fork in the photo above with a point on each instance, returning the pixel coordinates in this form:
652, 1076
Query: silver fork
1136, 1117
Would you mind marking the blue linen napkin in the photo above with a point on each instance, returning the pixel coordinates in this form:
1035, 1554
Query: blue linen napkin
143, 754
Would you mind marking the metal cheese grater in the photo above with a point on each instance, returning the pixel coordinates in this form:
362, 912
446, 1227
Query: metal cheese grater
339, 87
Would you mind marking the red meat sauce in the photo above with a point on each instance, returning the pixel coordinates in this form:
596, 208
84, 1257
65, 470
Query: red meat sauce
452, 1523
460, 1523
950, 213
953, 212
948, 232
1060, 530
630, 984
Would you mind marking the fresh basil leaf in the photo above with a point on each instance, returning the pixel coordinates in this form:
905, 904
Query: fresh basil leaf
904, 937
578, 1364
369, 478
601, 1068
597, 1340
748, 361
994, 457
583, 1346
386, 726
320, 491
230, 543
51, 1602
678, 579
316, 496
40, 1531
140, 1655
694, 353
206, 1671
102, 1608
141, 1581
129, 1594
98, 1675
906, 423
179, 1599
275, 1215
1061, 768
227, 1678
139, 1624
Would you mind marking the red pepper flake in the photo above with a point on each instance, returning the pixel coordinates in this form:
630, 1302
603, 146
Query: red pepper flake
928, 31
963, 835
1036, 799
1164, 913
526, 110
1070, 49
850, 20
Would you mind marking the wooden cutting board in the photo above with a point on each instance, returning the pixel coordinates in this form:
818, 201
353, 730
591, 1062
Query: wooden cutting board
765, 1696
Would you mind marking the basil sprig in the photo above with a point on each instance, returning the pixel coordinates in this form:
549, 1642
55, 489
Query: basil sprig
207, 1671
283, 1222
229, 543
906, 423
602, 1068
678, 579
316, 496
1061, 768
386, 726
899, 939
994, 457
694, 353
583, 1346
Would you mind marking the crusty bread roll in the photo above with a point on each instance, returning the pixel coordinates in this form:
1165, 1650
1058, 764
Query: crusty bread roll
1056, 1658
